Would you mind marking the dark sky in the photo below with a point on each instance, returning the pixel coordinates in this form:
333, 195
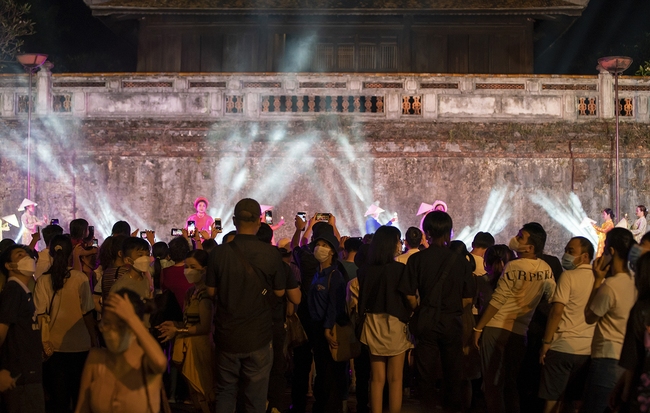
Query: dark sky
78, 42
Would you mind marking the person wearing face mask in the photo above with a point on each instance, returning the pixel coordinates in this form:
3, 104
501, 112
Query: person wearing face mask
63, 294
126, 376
326, 303
193, 347
566, 345
20, 339
612, 297
135, 253
501, 331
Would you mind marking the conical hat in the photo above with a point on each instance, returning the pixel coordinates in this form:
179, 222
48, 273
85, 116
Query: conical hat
424, 208
372, 210
438, 202
26, 202
11, 219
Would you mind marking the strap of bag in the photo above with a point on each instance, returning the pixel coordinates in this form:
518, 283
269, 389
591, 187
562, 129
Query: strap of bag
250, 270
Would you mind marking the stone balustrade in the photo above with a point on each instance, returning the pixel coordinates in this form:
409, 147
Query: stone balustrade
290, 96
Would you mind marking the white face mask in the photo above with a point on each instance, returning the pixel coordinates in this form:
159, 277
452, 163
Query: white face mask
321, 253
26, 266
193, 275
516, 246
142, 264
117, 344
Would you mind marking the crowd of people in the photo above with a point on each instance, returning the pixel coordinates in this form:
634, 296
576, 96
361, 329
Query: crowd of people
134, 324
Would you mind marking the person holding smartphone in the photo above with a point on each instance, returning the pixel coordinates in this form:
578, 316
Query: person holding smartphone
202, 221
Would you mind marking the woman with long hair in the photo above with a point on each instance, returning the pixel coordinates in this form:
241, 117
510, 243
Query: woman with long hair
126, 376
63, 300
384, 312
193, 347
608, 224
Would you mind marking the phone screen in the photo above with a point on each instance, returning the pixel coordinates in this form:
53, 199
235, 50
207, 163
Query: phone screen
143, 234
191, 227
217, 224
268, 217
177, 232
54, 221
95, 243
303, 216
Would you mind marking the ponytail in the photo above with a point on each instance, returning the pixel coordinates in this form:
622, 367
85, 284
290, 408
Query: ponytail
60, 251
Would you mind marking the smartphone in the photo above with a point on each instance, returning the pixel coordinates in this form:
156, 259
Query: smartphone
95, 243
217, 224
54, 221
268, 217
323, 216
143, 234
302, 215
177, 232
191, 227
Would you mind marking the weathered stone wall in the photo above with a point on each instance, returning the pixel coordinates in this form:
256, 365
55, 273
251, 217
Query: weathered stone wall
493, 176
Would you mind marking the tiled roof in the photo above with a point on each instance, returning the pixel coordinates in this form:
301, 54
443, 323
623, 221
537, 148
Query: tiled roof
306, 5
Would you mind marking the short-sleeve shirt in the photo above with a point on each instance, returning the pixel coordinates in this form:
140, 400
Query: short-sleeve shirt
423, 270
519, 290
634, 356
378, 292
22, 351
612, 303
573, 289
243, 315
280, 308
68, 331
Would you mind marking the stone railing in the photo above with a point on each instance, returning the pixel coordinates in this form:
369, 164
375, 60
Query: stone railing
244, 96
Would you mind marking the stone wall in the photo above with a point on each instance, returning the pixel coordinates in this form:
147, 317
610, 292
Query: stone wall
493, 175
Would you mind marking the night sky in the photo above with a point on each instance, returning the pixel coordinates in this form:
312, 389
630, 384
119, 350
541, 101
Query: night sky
77, 42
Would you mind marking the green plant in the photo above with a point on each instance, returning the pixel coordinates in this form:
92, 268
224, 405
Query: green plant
644, 69
13, 25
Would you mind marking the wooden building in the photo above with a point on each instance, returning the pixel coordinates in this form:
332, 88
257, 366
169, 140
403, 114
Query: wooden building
417, 36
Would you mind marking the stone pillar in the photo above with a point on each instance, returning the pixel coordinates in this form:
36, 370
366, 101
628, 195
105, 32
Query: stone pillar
44, 89
606, 95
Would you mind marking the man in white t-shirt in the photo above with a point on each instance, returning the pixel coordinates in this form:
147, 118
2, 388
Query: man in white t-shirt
413, 238
566, 344
611, 300
503, 326
482, 241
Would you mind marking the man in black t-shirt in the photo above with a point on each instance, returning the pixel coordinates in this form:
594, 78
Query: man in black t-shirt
243, 275
439, 327
20, 338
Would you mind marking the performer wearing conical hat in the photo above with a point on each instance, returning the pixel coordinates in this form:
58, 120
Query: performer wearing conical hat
29, 220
